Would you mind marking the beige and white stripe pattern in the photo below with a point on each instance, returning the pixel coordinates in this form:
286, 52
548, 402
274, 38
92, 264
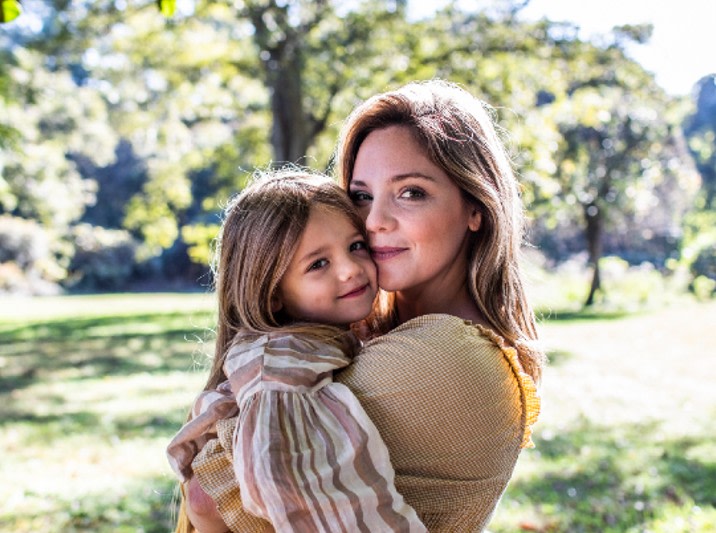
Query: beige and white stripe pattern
305, 454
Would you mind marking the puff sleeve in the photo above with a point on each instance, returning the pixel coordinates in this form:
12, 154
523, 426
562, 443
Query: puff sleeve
305, 454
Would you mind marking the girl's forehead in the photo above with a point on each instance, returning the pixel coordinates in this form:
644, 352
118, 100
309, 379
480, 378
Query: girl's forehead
337, 212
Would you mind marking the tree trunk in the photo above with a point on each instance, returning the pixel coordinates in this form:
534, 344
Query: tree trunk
290, 131
595, 227
282, 57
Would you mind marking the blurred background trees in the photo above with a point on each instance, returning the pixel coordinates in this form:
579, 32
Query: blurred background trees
124, 131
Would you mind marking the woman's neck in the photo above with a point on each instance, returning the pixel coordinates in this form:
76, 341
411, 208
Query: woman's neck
414, 303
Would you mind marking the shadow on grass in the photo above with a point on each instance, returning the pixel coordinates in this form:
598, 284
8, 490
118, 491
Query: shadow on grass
146, 506
613, 479
82, 348
94, 327
49, 428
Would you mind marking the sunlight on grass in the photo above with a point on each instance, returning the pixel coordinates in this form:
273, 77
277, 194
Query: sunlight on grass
16, 308
626, 437
93, 388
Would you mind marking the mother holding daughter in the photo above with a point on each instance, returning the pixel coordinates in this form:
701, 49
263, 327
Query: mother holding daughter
447, 374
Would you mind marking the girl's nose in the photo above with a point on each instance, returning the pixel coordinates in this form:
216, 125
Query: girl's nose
349, 268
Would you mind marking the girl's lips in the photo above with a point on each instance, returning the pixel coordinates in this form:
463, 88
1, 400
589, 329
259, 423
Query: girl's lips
385, 253
356, 292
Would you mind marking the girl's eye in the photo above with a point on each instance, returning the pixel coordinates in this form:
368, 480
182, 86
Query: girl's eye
316, 265
358, 246
413, 193
359, 197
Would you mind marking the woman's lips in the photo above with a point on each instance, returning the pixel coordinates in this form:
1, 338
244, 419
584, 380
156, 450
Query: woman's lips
383, 253
359, 291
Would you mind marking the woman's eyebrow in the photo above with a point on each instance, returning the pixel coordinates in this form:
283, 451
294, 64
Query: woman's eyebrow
398, 178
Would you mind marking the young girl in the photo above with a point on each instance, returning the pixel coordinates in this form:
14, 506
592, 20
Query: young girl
293, 273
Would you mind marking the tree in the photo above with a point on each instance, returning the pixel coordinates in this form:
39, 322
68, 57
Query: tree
700, 129
614, 146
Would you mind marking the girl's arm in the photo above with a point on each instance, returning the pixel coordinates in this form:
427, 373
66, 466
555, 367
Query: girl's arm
314, 462
303, 453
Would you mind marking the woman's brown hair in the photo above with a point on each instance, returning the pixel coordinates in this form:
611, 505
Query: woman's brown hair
457, 133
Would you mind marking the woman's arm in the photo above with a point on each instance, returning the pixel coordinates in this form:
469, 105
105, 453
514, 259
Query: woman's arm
201, 510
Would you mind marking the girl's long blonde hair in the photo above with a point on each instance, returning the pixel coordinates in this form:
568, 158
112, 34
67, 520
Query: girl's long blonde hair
458, 135
259, 235
258, 238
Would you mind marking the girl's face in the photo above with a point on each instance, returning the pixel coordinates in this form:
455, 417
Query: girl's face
331, 278
417, 218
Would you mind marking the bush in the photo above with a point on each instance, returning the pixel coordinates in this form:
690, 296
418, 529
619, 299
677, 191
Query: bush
104, 259
705, 263
28, 264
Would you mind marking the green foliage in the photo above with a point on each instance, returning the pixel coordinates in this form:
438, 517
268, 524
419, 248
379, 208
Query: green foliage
119, 117
200, 239
29, 262
9, 10
704, 287
700, 128
167, 7
698, 245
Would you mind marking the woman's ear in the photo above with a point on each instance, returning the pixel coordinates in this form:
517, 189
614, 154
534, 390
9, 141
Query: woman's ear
475, 220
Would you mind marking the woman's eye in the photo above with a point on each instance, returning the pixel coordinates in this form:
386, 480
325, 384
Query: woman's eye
316, 265
358, 245
359, 197
412, 193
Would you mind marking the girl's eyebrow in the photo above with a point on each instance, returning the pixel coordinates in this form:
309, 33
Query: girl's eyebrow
398, 178
310, 256
313, 254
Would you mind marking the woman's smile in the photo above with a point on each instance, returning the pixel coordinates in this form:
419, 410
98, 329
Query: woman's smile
385, 253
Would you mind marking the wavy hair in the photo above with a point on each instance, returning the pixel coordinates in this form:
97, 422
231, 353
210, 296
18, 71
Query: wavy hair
458, 134
261, 229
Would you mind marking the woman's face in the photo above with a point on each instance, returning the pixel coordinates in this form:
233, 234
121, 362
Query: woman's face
417, 219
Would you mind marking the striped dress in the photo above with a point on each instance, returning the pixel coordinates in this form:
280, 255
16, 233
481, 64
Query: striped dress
452, 404
305, 454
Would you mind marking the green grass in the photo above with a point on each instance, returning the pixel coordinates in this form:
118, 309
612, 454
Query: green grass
93, 387
627, 437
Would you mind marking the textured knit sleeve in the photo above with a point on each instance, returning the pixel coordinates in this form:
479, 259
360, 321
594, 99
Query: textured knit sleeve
306, 456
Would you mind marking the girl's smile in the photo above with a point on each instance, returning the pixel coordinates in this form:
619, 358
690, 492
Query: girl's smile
331, 277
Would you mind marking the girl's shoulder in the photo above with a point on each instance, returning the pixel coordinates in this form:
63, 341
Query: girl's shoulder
289, 355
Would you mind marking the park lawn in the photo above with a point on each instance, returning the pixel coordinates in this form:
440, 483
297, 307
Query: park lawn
93, 387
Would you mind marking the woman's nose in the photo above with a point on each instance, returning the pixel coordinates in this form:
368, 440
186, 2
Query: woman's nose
379, 217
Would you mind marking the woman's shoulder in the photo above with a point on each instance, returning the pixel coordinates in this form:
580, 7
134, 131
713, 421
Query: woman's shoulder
442, 354
448, 334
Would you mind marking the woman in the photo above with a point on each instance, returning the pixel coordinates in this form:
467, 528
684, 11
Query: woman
449, 375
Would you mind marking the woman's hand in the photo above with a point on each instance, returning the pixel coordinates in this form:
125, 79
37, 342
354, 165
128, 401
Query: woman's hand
201, 510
